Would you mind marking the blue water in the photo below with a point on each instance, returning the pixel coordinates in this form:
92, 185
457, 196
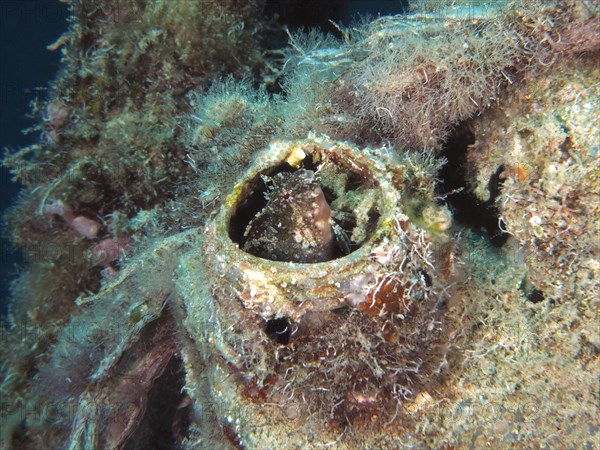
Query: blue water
26, 28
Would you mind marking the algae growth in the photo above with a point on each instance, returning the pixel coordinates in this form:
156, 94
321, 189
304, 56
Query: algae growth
379, 239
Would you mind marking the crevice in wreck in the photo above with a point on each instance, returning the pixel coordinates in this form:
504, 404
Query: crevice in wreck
467, 209
168, 414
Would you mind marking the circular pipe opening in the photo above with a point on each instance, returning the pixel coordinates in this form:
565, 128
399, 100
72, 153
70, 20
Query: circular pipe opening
312, 210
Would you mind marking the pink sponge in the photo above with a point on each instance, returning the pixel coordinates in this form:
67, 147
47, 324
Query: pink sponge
88, 228
109, 250
85, 227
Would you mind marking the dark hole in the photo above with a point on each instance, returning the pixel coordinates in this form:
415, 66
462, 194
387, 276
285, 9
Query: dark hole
252, 202
165, 423
426, 277
250, 205
21, 437
329, 194
466, 207
279, 330
535, 296
495, 184
567, 145
354, 181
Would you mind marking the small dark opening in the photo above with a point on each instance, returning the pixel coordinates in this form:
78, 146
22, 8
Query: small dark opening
532, 294
354, 181
466, 207
279, 330
535, 296
426, 277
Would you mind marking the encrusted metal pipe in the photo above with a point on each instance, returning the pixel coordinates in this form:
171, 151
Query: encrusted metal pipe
279, 315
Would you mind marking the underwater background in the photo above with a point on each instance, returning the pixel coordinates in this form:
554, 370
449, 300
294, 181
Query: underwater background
26, 68
28, 26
